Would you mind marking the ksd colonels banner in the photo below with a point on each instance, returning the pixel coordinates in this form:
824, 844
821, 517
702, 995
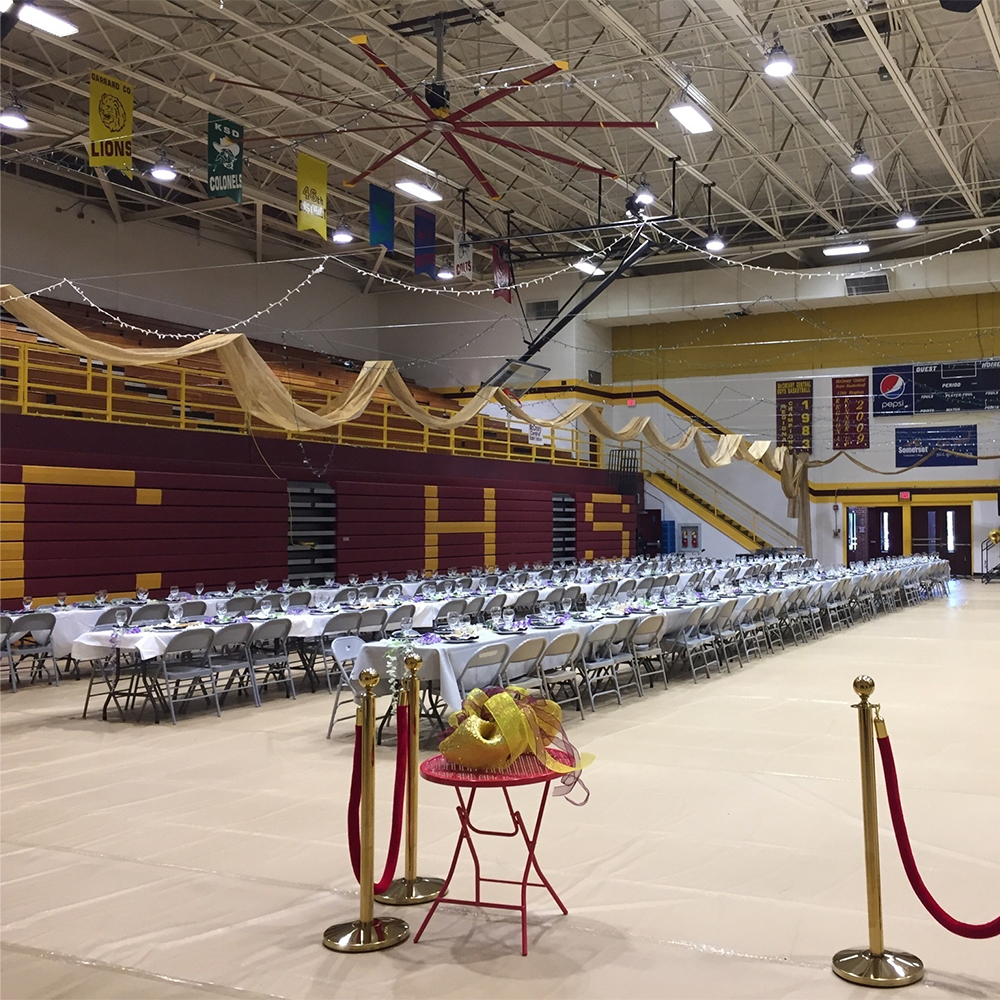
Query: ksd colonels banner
110, 123
225, 158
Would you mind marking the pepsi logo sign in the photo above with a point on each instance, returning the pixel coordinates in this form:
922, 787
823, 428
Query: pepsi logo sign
892, 386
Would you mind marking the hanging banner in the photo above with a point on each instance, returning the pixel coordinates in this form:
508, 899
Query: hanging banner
503, 274
424, 242
794, 400
850, 413
225, 158
944, 387
463, 254
381, 217
912, 443
110, 123
311, 186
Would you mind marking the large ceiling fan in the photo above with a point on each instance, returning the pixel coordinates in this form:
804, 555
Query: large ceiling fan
456, 125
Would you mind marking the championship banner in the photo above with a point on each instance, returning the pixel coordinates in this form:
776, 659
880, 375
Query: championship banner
225, 158
110, 123
424, 242
503, 274
794, 400
381, 217
311, 185
850, 413
463, 254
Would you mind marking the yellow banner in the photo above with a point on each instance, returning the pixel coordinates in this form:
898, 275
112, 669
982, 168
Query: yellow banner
312, 194
110, 122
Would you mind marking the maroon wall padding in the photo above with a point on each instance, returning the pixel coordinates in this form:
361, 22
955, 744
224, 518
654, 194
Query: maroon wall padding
224, 509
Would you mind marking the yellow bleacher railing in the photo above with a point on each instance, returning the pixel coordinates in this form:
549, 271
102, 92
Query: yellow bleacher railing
44, 380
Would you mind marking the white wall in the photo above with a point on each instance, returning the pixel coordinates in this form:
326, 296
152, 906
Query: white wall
713, 543
160, 270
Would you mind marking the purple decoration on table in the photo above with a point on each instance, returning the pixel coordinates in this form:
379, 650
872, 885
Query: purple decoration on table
429, 639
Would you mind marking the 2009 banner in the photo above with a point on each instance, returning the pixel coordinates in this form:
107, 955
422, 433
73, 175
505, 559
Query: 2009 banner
850, 413
110, 122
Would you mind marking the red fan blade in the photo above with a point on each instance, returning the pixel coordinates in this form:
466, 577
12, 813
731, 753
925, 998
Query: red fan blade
337, 103
468, 161
361, 41
330, 131
544, 154
556, 67
548, 124
385, 159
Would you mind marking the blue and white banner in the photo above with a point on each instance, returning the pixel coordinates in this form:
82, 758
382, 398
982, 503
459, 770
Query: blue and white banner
942, 387
912, 443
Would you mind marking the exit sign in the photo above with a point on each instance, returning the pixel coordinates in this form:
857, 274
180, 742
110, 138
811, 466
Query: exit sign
905, 495
630, 402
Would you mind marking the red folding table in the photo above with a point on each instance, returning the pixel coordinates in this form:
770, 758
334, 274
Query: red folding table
526, 770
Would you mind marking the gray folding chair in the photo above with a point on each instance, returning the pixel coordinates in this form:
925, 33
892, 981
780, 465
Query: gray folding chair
556, 671
184, 661
156, 612
269, 658
230, 653
522, 661
646, 649
598, 665
396, 617
193, 609
344, 650
30, 638
484, 669
240, 605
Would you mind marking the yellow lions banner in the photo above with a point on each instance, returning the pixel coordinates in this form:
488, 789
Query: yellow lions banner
312, 194
110, 122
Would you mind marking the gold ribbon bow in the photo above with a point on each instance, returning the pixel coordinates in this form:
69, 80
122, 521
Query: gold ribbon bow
492, 731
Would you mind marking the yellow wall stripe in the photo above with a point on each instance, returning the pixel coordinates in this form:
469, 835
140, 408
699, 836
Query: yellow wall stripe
57, 475
12, 531
11, 550
11, 569
11, 588
150, 497
11, 493
12, 512
151, 581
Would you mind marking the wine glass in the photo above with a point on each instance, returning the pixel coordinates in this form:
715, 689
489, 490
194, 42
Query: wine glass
353, 579
452, 619
230, 588
307, 583
175, 614
174, 594
284, 585
328, 581
26, 604
496, 616
101, 597
284, 602
121, 617
142, 595
508, 617
263, 584
199, 589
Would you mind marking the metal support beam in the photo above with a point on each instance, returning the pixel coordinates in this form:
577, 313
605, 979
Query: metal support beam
172, 211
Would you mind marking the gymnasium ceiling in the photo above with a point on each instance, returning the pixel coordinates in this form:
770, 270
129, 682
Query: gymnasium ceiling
916, 84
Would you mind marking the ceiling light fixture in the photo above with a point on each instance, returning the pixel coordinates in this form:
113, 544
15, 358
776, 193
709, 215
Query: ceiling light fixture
862, 165
445, 273
715, 242
163, 170
588, 267
13, 116
644, 193
691, 118
45, 21
343, 234
845, 249
905, 221
778, 63
416, 190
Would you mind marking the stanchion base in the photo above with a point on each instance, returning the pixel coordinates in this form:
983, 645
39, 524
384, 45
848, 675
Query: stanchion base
891, 968
403, 892
382, 932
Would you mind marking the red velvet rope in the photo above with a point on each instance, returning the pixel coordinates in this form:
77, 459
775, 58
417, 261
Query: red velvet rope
398, 801
987, 930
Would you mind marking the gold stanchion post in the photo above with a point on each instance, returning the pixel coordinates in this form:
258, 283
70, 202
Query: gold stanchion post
874, 965
412, 888
369, 933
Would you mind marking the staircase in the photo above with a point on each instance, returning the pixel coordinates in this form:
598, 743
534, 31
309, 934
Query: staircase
720, 508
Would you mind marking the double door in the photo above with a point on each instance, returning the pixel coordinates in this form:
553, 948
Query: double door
877, 532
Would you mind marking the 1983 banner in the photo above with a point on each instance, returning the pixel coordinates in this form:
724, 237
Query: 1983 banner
794, 406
